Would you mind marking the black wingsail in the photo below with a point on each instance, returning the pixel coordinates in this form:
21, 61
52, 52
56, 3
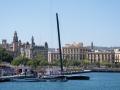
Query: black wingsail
59, 41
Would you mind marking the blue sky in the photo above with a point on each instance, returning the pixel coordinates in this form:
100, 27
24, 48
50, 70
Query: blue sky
80, 21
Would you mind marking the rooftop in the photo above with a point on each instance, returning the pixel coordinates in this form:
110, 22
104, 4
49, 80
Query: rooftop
74, 44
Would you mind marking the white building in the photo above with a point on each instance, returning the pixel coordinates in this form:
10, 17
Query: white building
117, 55
75, 51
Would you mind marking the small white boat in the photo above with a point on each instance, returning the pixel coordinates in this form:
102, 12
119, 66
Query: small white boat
87, 70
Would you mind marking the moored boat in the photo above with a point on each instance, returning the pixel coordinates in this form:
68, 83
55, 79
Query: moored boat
4, 79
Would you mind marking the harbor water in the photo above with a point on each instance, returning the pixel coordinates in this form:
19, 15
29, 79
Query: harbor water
98, 81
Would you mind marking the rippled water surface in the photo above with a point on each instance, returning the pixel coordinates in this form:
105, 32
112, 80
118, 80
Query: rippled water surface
98, 81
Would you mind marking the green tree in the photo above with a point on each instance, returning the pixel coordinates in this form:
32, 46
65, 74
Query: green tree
5, 55
33, 63
20, 61
76, 63
85, 63
67, 63
106, 63
41, 60
16, 62
55, 63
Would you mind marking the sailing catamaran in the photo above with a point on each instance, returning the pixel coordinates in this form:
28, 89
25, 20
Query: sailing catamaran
63, 77
68, 77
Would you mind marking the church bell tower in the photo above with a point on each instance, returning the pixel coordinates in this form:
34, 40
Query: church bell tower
15, 42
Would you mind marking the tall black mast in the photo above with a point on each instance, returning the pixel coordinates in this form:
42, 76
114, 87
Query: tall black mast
61, 63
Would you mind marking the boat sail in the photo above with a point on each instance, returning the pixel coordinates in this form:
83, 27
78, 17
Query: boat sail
59, 41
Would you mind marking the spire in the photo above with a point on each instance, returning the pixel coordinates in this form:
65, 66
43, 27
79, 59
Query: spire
15, 43
15, 37
92, 47
32, 41
46, 45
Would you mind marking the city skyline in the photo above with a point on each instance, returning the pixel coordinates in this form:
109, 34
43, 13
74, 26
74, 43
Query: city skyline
81, 21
